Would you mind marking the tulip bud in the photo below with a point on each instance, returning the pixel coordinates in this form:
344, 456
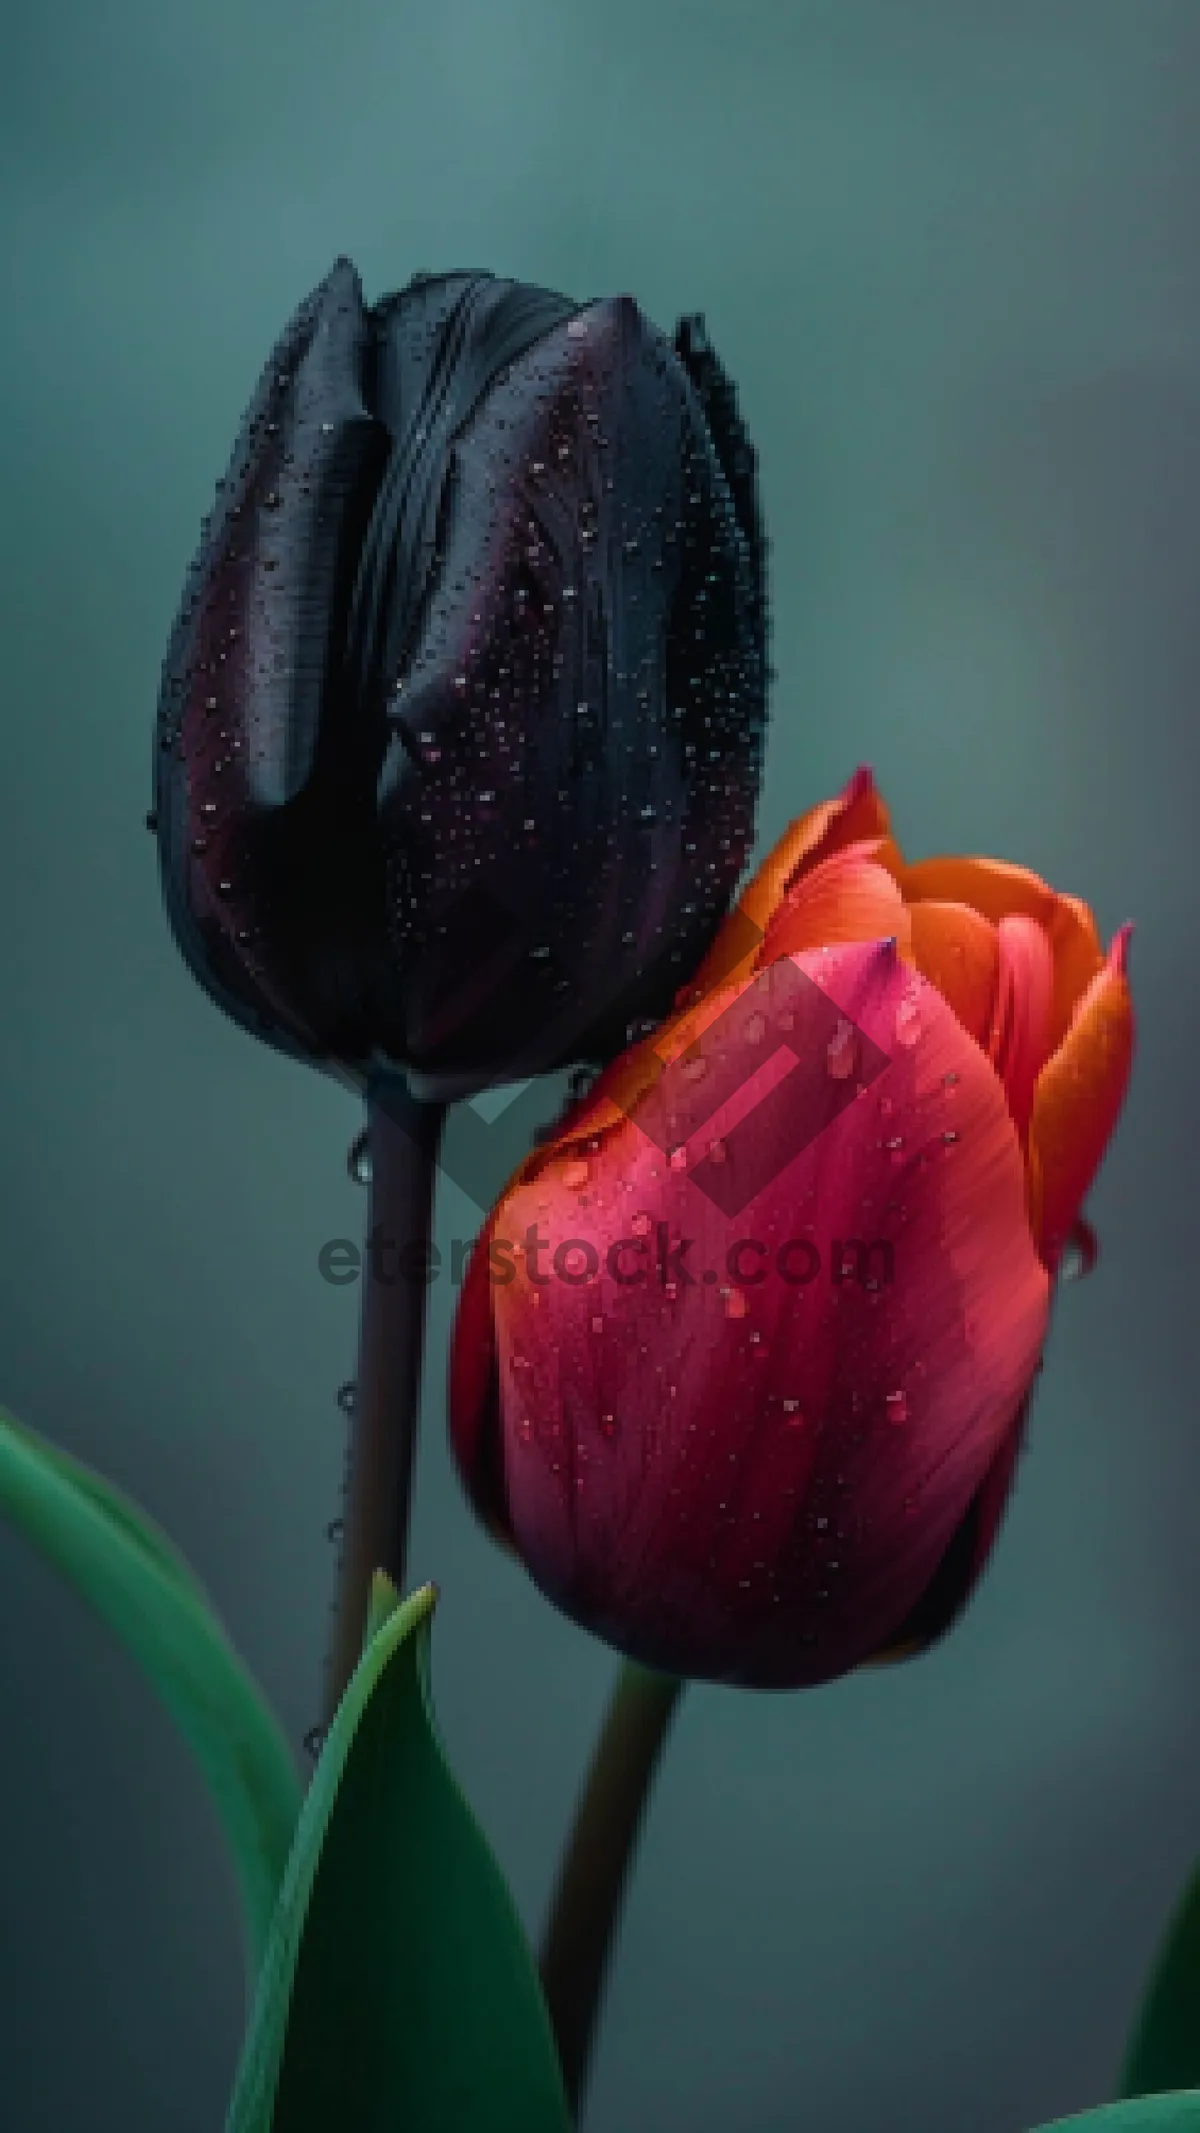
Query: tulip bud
460, 726
744, 1355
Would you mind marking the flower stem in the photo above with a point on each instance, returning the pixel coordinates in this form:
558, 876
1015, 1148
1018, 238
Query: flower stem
403, 1135
597, 1862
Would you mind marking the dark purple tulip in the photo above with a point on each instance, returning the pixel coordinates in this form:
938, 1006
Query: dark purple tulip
461, 718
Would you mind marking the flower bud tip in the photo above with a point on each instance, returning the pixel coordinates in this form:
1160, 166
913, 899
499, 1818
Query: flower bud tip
1118, 954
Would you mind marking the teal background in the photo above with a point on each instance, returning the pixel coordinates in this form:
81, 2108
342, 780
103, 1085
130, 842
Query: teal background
951, 253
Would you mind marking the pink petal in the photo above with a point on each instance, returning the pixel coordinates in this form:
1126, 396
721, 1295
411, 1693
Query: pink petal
1019, 1041
755, 1481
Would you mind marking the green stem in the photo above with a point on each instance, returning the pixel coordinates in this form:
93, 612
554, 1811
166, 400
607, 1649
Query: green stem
596, 1864
403, 1136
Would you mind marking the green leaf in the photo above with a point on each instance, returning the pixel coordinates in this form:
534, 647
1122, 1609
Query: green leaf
1177, 2113
141, 1587
398, 1994
1164, 2049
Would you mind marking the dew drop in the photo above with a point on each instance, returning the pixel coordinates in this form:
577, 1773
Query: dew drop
896, 1406
841, 1056
678, 1158
908, 1021
1080, 1254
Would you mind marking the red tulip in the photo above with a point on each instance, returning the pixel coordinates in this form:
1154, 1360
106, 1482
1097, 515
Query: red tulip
744, 1354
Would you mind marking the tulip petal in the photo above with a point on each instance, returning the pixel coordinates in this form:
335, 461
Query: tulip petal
959, 1571
999, 890
756, 1480
473, 1394
848, 897
566, 801
739, 462
955, 947
285, 947
1018, 1043
857, 814
1077, 1100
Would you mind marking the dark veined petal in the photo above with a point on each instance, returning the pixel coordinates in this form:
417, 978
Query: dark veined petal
461, 718
265, 767
568, 795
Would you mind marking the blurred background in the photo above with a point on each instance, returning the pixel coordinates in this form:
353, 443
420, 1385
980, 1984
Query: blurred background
951, 254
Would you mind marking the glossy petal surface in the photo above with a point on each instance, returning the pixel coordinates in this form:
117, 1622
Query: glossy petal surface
754, 1480
459, 735
1077, 1101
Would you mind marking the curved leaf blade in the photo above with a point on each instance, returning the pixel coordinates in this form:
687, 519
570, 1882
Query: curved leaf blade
1164, 2049
398, 1994
134, 1579
1177, 2113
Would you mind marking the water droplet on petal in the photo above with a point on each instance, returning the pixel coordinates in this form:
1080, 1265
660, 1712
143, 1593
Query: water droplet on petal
678, 1158
841, 1055
908, 1021
1080, 1253
896, 1406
